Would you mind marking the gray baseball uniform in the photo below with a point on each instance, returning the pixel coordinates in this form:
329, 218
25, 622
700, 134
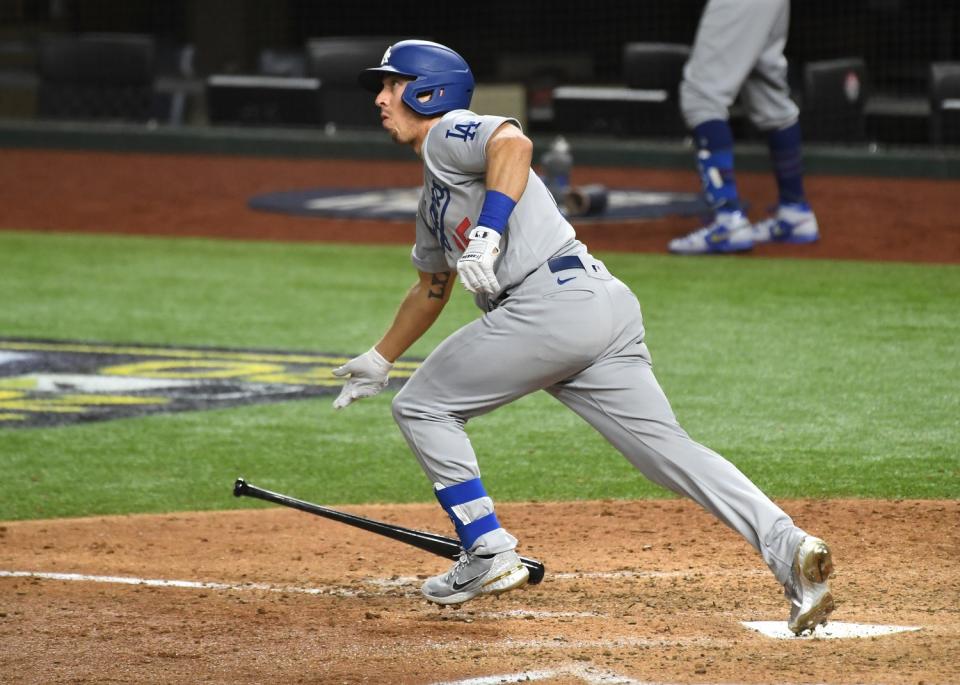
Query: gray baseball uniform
454, 156
738, 49
561, 323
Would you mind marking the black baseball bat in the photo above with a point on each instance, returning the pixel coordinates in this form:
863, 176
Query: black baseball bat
430, 542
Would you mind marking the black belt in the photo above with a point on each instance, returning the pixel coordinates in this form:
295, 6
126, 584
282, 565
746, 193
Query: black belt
567, 262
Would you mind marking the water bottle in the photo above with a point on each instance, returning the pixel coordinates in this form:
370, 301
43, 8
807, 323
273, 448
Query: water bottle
556, 163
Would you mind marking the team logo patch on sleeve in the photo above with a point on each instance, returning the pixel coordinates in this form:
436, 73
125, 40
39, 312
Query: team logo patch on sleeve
51, 383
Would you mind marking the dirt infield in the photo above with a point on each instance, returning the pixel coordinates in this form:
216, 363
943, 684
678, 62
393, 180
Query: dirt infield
635, 592
911, 220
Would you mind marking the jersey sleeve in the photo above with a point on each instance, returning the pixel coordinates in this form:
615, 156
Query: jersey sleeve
458, 144
427, 254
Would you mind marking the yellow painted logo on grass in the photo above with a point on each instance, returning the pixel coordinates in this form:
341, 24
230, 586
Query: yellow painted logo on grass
47, 382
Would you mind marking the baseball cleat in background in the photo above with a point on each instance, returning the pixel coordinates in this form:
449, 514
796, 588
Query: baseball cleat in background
788, 223
474, 575
728, 232
809, 591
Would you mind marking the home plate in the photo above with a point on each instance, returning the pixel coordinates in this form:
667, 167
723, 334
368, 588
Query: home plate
832, 631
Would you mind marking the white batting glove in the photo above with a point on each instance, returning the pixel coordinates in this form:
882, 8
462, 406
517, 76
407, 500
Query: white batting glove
475, 265
367, 377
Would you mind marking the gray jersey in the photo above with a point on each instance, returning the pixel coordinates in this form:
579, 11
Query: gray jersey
454, 186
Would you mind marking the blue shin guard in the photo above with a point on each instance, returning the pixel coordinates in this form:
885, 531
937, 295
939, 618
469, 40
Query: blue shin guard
714, 141
461, 494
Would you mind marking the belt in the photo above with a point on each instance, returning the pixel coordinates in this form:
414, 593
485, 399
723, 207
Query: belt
555, 264
567, 262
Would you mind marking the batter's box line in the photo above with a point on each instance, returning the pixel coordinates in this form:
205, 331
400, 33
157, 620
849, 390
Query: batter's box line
402, 581
187, 584
613, 575
588, 674
266, 587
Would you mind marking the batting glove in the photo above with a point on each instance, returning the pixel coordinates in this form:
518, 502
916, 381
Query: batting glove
475, 265
367, 377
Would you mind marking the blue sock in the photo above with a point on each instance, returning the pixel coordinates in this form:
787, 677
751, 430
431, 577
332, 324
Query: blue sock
714, 141
787, 163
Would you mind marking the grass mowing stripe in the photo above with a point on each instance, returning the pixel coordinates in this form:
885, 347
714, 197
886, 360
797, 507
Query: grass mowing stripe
816, 378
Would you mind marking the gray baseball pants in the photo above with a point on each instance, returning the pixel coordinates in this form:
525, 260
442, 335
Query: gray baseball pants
738, 50
578, 334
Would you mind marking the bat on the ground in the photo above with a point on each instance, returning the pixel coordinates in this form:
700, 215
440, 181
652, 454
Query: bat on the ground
430, 542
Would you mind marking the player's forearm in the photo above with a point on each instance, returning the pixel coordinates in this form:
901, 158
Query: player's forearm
419, 309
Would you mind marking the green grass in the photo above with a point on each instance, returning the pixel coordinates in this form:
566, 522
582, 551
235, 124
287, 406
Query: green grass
817, 378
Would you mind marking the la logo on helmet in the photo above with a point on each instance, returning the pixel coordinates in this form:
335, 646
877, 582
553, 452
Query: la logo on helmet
386, 56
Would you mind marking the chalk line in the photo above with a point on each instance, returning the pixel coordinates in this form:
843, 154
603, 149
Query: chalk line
191, 584
588, 674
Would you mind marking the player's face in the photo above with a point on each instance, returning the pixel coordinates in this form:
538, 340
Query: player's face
402, 123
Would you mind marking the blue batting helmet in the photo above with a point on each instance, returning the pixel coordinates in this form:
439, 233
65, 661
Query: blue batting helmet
435, 69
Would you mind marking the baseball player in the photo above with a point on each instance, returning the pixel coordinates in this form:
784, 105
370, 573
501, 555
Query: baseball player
738, 50
553, 319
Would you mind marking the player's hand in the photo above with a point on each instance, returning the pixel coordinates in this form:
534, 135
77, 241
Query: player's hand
367, 377
475, 265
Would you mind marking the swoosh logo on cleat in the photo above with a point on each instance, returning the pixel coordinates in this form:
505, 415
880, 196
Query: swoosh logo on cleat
781, 229
561, 281
459, 586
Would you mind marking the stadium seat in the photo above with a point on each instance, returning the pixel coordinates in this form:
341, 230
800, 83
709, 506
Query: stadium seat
96, 76
336, 62
256, 100
647, 106
325, 93
945, 103
540, 73
834, 95
279, 62
655, 65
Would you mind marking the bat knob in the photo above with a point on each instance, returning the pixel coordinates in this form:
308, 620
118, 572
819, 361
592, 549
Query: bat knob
240, 487
536, 573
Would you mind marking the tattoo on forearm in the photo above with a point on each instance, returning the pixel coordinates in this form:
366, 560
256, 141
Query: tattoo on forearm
438, 285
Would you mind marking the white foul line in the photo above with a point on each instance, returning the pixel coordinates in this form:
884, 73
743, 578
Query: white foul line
334, 590
266, 587
193, 584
